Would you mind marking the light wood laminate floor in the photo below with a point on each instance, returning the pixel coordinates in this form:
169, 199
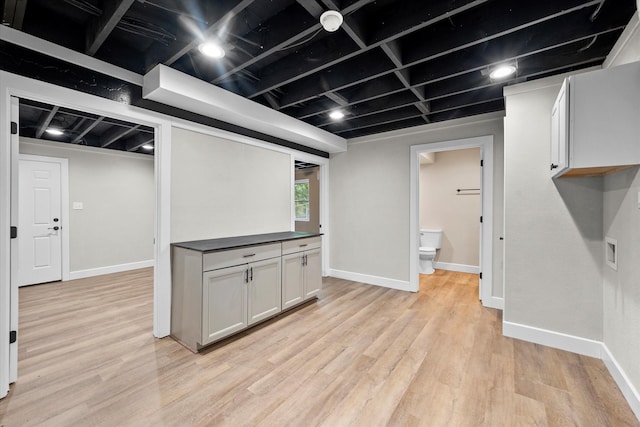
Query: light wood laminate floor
362, 355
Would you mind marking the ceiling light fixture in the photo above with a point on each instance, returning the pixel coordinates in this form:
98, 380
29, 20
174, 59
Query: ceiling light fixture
211, 49
336, 115
54, 131
502, 71
147, 147
331, 20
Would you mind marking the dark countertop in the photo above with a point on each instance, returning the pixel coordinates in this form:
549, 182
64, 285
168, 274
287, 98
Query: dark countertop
212, 245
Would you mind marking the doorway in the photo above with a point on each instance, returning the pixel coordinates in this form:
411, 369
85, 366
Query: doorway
21, 87
485, 144
307, 197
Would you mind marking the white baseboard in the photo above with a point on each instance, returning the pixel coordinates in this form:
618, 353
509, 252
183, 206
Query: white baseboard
81, 274
371, 280
462, 268
494, 302
626, 387
553, 339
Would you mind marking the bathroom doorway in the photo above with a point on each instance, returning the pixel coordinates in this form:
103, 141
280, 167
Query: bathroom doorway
485, 215
449, 200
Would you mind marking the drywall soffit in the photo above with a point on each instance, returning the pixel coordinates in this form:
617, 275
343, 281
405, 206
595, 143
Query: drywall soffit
171, 87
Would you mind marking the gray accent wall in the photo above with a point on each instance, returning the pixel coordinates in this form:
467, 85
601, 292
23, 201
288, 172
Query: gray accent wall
369, 198
117, 190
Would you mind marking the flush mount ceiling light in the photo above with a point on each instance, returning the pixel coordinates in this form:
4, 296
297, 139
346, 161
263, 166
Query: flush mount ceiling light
331, 20
502, 71
336, 115
54, 131
211, 49
147, 147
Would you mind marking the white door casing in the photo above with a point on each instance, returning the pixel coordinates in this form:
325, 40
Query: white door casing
39, 222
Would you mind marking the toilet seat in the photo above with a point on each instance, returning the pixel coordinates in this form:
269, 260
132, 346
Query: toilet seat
427, 250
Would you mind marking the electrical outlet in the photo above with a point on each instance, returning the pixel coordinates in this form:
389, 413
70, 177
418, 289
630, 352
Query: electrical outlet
78, 205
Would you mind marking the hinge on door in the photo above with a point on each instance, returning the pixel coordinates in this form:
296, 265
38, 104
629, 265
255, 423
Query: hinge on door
481, 163
13, 337
480, 276
14, 128
480, 218
14, 232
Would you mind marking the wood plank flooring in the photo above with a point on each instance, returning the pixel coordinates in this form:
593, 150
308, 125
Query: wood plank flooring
362, 356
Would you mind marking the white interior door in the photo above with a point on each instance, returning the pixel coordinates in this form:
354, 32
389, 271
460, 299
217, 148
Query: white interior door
39, 226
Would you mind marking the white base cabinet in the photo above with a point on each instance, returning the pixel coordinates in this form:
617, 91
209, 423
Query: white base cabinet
301, 263
219, 293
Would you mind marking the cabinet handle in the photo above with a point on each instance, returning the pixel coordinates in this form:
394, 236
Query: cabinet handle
305, 260
251, 274
248, 256
246, 276
306, 244
553, 166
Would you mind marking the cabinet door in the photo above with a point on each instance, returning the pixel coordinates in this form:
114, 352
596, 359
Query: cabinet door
265, 297
312, 273
292, 280
559, 132
224, 302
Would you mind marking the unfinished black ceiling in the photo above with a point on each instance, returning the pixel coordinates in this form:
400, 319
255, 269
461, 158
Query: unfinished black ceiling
392, 64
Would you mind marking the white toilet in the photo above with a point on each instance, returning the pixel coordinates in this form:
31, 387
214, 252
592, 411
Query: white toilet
430, 242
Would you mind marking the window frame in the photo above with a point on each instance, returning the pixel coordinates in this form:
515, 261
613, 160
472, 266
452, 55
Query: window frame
295, 200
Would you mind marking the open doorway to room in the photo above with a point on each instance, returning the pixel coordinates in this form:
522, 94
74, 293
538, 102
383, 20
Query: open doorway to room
307, 197
85, 209
484, 216
450, 210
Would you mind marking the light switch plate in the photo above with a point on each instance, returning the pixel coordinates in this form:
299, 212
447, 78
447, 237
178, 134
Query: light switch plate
78, 205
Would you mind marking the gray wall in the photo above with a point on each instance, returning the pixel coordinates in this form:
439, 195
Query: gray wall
369, 200
221, 188
621, 293
117, 189
553, 229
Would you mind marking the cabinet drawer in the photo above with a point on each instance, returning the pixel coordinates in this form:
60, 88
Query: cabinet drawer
229, 258
299, 245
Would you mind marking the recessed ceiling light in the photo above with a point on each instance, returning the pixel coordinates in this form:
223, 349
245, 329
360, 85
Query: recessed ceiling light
211, 49
331, 20
503, 71
336, 115
147, 147
54, 131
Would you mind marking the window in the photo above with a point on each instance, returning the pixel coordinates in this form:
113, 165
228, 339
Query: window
301, 190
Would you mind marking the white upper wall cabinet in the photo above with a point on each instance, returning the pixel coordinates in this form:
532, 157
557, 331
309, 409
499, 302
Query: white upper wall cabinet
595, 122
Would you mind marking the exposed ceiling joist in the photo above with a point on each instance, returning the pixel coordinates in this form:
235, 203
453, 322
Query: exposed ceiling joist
86, 130
137, 141
101, 27
13, 13
45, 119
114, 134
312, 7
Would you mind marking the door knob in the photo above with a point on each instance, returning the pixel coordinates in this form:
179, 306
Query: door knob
55, 220
56, 228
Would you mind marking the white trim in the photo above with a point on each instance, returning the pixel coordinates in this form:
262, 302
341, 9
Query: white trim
64, 203
431, 127
462, 268
551, 81
110, 269
485, 143
493, 302
624, 383
56, 51
553, 339
625, 38
371, 280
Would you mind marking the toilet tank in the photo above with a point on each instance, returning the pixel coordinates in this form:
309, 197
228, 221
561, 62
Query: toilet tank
431, 238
